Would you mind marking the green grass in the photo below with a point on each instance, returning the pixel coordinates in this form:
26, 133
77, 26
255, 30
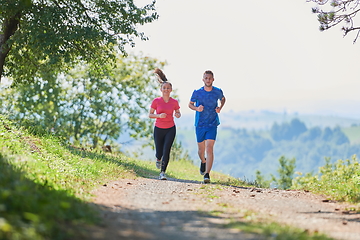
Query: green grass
46, 184
275, 231
340, 181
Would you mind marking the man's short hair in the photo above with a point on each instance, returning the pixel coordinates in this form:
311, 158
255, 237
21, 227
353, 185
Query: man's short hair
209, 72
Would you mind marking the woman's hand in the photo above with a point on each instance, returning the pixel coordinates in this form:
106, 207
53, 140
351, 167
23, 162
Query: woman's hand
162, 115
177, 114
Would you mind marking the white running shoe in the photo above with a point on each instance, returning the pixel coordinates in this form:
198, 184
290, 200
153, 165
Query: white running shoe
158, 164
162, 176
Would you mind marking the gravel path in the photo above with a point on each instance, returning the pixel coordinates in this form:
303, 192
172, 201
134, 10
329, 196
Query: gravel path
177, 209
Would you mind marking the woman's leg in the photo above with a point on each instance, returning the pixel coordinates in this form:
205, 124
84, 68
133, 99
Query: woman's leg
159, 138
169, 139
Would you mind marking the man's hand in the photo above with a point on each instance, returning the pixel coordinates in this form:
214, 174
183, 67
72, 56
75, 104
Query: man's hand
200, 108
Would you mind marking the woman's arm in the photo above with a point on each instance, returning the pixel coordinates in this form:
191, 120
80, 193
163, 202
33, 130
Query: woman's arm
177, 113
153, 115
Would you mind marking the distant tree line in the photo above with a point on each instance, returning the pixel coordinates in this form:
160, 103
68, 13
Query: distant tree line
296, 130
242, 152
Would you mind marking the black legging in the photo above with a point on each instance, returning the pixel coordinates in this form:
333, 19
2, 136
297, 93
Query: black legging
164, 138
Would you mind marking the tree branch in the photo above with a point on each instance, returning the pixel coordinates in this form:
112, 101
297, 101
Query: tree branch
9, 27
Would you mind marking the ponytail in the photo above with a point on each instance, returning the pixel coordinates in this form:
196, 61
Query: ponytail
160, 76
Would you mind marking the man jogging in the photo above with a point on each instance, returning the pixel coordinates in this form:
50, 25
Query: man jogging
205, 102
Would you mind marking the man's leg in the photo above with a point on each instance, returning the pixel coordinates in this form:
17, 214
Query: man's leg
209, 147
201, 151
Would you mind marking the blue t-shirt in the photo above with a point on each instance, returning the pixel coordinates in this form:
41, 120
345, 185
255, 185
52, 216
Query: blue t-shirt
208, 117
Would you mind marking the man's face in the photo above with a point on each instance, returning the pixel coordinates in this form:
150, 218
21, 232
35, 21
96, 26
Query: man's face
208, 80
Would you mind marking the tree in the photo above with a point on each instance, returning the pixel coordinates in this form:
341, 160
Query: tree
42, 35
341, 12
286, 173
86, 106
310, 135
287, 131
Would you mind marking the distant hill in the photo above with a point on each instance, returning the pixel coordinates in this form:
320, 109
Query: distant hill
263, 120
246, 142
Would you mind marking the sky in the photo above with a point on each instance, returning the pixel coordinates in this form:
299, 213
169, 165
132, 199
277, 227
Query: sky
265, 55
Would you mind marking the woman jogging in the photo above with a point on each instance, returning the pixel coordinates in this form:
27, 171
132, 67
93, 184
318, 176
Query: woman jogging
163, 108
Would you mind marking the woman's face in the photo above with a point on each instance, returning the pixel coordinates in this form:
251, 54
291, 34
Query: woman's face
166, 88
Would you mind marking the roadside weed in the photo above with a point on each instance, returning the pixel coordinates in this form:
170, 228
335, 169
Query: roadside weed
340, 181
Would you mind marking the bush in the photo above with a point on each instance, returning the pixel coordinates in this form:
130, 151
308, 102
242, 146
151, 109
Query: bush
340, 180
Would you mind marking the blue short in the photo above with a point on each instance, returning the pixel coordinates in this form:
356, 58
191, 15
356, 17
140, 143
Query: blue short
205, 133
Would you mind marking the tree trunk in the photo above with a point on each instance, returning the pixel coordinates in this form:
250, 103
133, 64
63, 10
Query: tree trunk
9, 27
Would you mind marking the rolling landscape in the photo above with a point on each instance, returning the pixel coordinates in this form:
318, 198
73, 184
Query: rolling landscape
246, 143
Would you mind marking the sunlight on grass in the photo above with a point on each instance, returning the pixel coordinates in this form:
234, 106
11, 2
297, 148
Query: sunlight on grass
46, 185
340, 181
276, 231
55, 181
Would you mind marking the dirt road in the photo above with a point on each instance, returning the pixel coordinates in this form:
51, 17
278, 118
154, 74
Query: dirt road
177, 209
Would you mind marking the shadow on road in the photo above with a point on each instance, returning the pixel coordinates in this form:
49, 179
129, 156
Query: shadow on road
143, 224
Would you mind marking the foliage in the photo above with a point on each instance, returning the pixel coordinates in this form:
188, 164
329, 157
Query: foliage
335, 12
248, 151
178, 152
43, 185
39, 36
261, 181
87, 107
56, 180
243, 151
340, 180
46, 184
287, 131
286, 173
273, 230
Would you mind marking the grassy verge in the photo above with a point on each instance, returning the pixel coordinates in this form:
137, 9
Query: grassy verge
46, 184
340, 181
273, 230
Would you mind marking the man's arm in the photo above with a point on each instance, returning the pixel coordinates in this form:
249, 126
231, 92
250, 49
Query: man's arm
193, 107
222, 103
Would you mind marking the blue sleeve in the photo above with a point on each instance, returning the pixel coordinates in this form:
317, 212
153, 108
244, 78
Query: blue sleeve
221, 94
193, 96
